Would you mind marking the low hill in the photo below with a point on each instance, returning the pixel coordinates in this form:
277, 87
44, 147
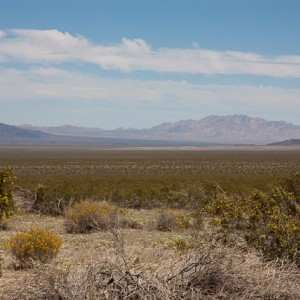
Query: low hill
291, 142
12, 134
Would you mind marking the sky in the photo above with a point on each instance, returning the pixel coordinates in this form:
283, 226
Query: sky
139, 63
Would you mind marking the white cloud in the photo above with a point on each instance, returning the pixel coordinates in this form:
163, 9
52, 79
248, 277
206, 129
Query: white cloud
136, 46
53, 46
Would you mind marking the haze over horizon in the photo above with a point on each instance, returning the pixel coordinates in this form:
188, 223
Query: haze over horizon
139, 63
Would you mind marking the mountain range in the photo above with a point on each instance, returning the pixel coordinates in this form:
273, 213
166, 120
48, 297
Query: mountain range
211, 130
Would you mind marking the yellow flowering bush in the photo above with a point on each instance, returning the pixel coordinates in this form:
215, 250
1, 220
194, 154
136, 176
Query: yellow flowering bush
7, 203
92, 215
36, 244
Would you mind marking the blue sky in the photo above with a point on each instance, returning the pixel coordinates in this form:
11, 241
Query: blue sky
138, 63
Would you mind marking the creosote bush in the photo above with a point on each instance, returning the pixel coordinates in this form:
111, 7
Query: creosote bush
54, 199
7, 203
86, 216
268, 221
36, 244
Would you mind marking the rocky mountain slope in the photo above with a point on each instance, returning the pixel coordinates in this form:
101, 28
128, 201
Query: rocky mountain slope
236, 129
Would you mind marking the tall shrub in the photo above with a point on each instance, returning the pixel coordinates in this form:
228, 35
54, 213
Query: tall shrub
268, 221
7, 203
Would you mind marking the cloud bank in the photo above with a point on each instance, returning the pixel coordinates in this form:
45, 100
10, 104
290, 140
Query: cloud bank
130, 102
53, 83
130, 55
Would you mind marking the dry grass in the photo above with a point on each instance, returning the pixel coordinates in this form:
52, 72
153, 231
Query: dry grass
133, 264
218, 273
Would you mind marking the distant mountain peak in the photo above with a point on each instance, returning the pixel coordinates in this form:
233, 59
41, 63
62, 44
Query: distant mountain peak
231, 129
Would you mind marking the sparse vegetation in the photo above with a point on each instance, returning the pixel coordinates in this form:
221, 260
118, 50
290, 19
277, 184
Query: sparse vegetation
153, 224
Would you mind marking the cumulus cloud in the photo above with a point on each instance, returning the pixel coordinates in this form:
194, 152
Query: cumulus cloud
53, 46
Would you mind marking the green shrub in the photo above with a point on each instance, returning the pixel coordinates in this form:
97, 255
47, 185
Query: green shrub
54, 199
267, 221
7, 203
273, 224
292, 185
92, 215
36, 244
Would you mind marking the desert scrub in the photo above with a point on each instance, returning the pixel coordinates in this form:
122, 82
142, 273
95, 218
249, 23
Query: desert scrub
168, 220
7, 203
36, 244
86, 216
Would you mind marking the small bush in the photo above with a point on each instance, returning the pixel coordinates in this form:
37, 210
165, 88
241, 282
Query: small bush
92, 215
7, 203
35, 245
177, 243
